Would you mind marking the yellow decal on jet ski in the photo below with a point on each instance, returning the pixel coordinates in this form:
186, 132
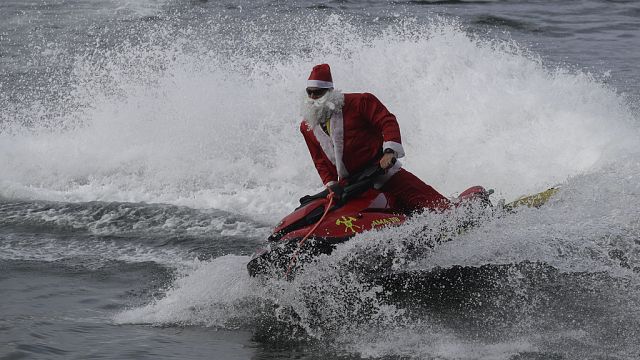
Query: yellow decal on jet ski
348, 223
385, 221
535, 200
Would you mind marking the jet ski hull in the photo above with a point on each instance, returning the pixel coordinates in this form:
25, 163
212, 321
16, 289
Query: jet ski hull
370, 211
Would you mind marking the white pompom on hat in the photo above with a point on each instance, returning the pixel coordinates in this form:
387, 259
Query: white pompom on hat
320, 77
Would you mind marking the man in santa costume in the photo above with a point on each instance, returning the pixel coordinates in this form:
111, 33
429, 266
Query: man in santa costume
347, 132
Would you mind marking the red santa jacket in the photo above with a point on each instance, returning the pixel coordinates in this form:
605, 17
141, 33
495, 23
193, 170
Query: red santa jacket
358, 133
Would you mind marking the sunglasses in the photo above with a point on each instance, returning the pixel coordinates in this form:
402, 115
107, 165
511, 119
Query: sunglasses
316, 92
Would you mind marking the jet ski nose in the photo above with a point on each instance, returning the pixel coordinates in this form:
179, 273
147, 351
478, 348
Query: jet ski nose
256, 264
261, 251
475, 193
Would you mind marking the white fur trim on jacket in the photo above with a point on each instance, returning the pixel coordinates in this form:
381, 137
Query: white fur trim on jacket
325, 143
333, 146
320, 84
337, 135
397, 147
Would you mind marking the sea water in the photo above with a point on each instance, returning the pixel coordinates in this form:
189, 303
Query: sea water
147, 147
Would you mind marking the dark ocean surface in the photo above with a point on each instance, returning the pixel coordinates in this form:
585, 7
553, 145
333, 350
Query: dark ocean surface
148, 147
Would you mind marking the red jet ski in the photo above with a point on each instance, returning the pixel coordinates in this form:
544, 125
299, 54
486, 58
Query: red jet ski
331, 217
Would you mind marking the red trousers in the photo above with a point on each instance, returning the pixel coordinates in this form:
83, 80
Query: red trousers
413, 194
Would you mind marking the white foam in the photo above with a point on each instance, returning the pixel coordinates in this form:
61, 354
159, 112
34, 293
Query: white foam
575, 232
94, 253
157, 123
125, 218
211, 295
592, 216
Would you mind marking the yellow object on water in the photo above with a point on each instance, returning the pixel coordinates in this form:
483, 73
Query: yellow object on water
535, 200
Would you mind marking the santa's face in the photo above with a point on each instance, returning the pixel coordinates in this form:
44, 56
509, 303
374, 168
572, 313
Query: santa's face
319, 104
316, 93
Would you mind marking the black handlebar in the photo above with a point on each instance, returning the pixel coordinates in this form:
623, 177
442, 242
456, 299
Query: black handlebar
356, 184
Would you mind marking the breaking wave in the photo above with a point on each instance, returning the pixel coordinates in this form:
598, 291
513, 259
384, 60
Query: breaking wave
213, 123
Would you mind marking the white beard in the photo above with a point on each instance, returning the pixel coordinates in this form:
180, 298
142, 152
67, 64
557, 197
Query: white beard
318, 111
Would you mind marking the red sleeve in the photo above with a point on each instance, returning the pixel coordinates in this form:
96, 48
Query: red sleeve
326, 169
384, 121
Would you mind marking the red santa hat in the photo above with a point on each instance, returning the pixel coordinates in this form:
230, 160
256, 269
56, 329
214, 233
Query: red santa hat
320, 77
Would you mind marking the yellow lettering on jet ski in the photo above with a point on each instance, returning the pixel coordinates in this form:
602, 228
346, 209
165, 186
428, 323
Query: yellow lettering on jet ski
385, 221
